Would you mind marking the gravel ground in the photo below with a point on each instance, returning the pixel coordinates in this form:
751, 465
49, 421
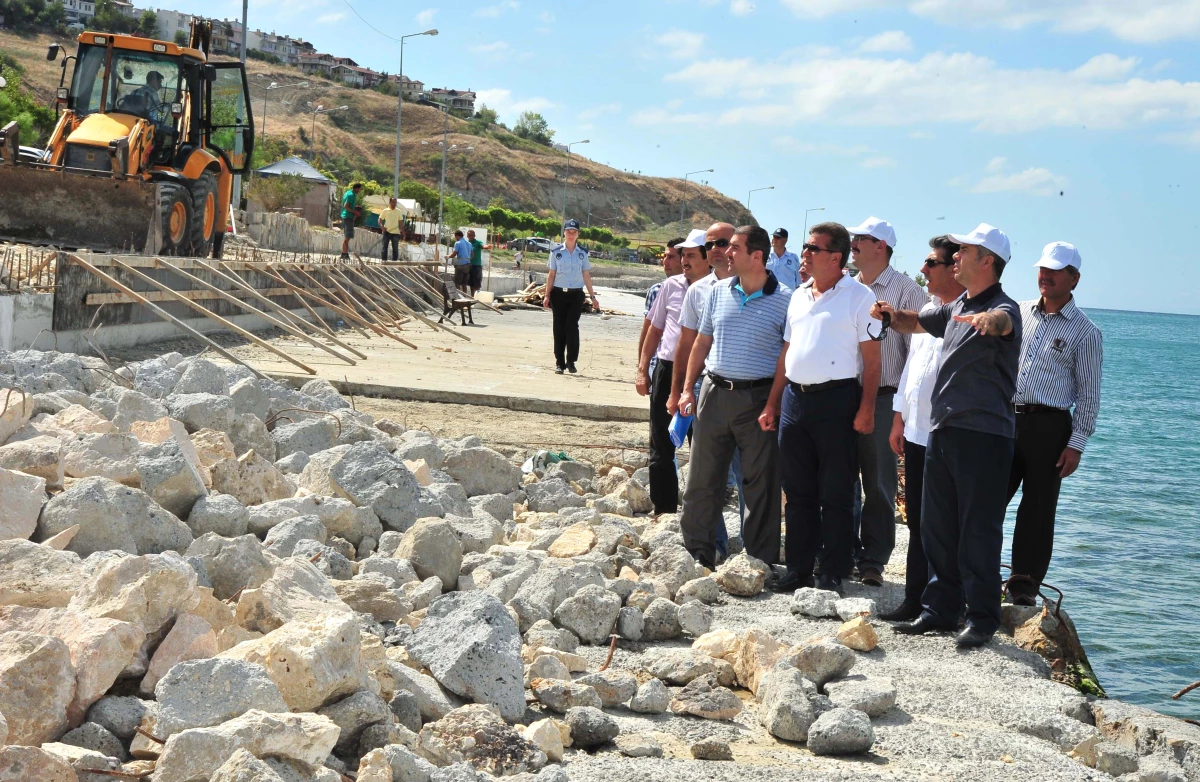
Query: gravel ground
949, 722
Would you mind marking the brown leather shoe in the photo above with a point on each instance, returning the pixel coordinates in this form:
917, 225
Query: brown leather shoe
872, 578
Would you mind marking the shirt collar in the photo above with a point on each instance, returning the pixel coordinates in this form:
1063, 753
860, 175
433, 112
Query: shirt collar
885, 276
768, 288
985, 295
1068, 311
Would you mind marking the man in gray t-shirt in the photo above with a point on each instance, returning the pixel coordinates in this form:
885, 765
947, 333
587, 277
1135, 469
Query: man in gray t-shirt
970, 449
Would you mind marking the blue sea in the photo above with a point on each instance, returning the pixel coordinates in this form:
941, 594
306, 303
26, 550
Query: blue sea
1127, 540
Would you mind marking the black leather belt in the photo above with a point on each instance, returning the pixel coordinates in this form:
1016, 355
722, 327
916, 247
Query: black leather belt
808, 389
568, 290
884, 390
738, 385
1039, 409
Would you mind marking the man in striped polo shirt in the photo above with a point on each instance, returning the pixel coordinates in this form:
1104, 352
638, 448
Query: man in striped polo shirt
872, 244
1061, 356
740, 337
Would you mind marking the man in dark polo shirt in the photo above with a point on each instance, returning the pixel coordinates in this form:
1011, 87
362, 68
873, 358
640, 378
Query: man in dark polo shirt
970, 448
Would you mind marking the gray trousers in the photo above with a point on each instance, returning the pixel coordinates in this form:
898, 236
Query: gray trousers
725, 421
877, 465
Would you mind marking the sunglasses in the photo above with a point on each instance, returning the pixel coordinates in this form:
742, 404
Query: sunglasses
936, 263
883, 331
812, 248
722, 243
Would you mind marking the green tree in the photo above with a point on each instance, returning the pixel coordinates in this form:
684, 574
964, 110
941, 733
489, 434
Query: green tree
148, 24
276, 192
53, 16
181, 38
533, 126
35, 121
483, 121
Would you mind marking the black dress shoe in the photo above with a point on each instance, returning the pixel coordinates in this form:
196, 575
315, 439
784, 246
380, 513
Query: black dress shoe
790, 582
925, 623
571, 368
831, 584
972, 637
559, 370
1023, 600
905, 612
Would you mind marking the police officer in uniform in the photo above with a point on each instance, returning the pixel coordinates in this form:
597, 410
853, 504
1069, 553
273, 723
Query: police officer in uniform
570, 272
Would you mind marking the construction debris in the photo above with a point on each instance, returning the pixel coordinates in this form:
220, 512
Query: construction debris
534, 294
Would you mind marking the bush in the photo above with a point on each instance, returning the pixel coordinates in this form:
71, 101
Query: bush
533, 126
255, 54
276, 192
36, 121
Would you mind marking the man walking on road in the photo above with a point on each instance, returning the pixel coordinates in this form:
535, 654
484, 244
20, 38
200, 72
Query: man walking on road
475, 275
391, 223
1061, 356
661, 341
569, 271
827, 346
911, 422
461, 257
872, 244
351, 211
782, 263
970, 450
740, 336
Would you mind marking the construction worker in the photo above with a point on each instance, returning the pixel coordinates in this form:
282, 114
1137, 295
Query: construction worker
351, 210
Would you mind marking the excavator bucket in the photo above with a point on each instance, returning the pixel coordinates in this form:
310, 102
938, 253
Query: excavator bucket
45, 206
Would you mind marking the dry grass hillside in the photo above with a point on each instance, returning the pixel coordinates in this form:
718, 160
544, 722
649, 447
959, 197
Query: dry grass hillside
527, 176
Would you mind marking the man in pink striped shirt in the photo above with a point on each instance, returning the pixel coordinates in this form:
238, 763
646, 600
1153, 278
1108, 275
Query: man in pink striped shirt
661, 341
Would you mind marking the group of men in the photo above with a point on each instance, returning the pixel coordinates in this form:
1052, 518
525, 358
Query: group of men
467, 257
815, 381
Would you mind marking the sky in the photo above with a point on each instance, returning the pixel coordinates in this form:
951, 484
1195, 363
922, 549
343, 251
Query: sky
1054, 120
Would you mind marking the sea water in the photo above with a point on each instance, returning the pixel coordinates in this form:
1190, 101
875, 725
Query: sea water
1127, 536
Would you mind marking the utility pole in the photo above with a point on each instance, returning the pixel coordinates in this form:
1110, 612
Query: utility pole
683, 206
400, 108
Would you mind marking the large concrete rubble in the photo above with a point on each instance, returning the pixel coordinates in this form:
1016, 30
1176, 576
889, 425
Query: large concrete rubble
208, 577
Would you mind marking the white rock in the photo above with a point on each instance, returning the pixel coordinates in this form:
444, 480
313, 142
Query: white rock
817, 603
651, 698
296, 591
201, 411
37, 576
203, 693
219, 513
695, 618
37, 684
704, 589
21, 763
80, 420
170, 479
113, 456
233, 563
786, 711
433, 549
252, 479
591, 614
483, 471
743, 575
369, 476
822, 661
190, 638
849, 607
871, 695
841, 732
40, 456
147, 591
17, 410
112, 517
21, 499
544, 735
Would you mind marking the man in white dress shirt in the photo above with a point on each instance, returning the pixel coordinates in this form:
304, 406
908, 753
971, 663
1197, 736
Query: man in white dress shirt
911, 422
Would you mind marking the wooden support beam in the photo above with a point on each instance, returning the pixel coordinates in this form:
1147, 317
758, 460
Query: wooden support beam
342, 311
295, 332
430, 323
98, 299
161, 313
375, 298
366, 305
354, 318
212, 315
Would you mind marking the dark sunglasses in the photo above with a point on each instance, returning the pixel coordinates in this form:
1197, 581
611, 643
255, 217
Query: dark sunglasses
883, 331
722, 243
812, 248
936, 263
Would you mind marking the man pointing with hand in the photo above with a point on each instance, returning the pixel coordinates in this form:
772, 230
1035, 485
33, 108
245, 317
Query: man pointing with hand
970, 447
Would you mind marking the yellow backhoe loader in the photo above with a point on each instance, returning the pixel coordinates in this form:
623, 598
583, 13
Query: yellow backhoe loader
142, 158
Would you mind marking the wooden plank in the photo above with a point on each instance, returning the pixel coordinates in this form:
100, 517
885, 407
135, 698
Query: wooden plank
341, 310
210, 314
97, 299
160, 312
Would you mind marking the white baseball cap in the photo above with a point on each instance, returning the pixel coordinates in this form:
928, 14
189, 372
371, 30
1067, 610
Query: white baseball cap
989, 237
1059, 255
695, 238
880, 229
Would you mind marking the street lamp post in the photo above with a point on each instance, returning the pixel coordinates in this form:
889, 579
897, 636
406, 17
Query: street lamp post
804, 236
312, 138
442, 190
400, 107
567, 179
683, 206
268, 88
752, 192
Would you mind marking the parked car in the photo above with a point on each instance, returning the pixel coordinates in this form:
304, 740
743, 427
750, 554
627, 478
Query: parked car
536, 243
76, 27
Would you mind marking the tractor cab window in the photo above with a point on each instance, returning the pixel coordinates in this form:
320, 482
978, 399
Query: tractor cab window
145, 85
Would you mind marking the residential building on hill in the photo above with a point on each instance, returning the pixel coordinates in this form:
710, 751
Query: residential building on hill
461, 100
79, 10
171, 22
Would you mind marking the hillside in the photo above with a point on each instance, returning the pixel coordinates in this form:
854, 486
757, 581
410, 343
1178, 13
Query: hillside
526, 176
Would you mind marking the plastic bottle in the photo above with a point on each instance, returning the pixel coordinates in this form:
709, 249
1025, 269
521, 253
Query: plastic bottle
680, 424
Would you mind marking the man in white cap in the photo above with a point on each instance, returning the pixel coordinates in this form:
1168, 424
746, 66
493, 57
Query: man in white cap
1061, 356
662, 338
970, 449
871, 245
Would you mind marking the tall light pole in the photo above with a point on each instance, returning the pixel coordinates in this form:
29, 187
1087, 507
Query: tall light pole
567, 179
312, 138
683, 206
804, 236
268, 88
445, 149
752, 192
400, 107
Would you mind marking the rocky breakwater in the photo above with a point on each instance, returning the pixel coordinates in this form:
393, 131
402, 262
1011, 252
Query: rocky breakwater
206, 577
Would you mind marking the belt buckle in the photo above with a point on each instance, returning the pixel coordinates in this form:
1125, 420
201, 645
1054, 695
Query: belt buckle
726, 384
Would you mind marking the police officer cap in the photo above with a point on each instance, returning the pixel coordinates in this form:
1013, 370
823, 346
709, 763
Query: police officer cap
571, 224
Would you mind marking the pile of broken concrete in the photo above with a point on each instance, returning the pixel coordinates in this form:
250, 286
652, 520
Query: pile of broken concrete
206, 575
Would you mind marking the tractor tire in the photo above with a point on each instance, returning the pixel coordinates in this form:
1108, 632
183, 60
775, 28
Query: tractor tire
204, 214
175, 212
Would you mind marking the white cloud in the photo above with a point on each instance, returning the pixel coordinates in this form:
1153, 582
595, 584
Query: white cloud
878, 161
681, 44
741, 7
939, 88
1142, 21
425, 18
1034, 181
493, 11
891, 41
508, 107
331, 18
546, 17
788, 144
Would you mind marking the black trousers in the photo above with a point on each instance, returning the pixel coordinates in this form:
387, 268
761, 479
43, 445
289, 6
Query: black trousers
818, 454
567, 306
394, 241
877, 465
664, 481
1041, 439
962, 524
727, 421
916, 574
